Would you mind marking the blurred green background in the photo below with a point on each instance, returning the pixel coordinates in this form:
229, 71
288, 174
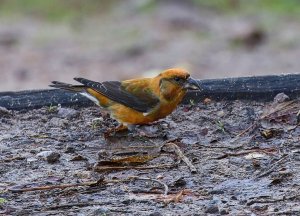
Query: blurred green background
59, 10
44, 40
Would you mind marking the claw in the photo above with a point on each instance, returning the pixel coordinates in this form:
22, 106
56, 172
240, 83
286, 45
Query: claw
112, 131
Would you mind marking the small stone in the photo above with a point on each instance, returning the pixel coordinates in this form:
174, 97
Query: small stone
220, 113
234, 198
217, 192
180, 182
53, 157
33, 151
204, 131
212, 209
78, 158
57, 122
127, 201
259, 207
69, 149
224, 212
31, 159
34, 166
67, 113
159, 177
43, 154
49, 156
164, 125
281, 97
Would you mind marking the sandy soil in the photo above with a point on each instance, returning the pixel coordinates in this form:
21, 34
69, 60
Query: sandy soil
128, 42
256, 172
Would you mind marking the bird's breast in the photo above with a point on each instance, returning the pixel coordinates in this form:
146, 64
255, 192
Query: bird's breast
127, 115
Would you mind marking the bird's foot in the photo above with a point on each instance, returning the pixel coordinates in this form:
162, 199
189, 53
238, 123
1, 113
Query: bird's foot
112, 131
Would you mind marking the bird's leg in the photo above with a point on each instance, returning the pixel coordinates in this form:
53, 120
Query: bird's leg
114, 130
120, 127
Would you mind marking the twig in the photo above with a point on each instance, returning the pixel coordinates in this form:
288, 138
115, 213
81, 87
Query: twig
290, 212
51, 187
135, 147
252, 126
89, 184
272, 168
284, 198
70, 205
279, 107
83, 204
266, 151
175, 198
182, 157
6, 160
130, 178
110, 168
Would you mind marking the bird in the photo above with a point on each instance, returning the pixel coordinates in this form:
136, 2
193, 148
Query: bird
138, 101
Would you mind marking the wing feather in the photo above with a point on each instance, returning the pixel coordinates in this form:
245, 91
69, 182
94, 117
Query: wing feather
114, 90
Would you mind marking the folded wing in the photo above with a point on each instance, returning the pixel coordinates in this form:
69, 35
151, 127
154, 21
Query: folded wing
141, 99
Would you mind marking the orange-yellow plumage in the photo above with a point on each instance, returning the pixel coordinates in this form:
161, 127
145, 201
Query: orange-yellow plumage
137, 101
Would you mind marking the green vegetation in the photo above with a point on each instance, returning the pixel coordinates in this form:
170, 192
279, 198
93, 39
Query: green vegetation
52, 109
54, 10
2, 201
279, 7
59, 10
220, 126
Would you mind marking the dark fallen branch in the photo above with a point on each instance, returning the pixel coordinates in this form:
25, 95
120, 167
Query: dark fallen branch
262, 88
34, 99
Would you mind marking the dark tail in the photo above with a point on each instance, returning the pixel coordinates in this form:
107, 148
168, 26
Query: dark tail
68, 87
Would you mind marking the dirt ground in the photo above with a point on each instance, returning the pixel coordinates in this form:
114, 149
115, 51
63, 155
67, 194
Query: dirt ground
131, 41
246, 155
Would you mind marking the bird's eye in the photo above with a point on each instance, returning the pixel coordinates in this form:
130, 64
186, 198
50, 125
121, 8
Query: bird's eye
177, 79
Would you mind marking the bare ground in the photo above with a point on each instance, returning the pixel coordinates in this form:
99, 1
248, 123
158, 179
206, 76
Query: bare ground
256, 171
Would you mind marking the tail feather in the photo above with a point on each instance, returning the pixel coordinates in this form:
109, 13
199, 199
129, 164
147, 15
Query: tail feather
68, 87
81, 89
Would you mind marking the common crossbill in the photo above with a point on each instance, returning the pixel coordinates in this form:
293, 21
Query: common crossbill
136, 101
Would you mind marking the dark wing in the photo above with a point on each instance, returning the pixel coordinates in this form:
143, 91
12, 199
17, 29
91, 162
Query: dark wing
114, 91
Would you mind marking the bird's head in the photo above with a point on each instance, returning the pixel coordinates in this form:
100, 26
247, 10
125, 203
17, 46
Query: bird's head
175, 81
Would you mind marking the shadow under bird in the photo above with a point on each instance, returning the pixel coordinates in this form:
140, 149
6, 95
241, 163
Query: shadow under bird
136, 101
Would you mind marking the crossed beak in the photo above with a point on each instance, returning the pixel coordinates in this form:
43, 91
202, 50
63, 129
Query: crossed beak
192, 84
